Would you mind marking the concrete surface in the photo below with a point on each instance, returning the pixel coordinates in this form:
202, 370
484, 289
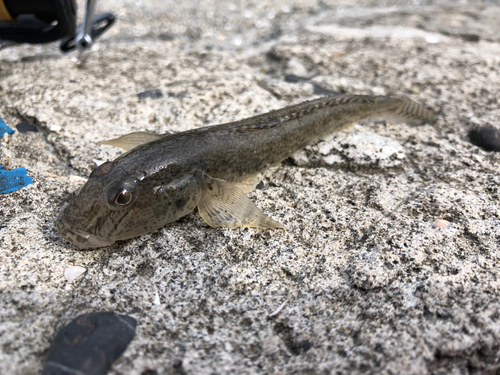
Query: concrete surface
370, 284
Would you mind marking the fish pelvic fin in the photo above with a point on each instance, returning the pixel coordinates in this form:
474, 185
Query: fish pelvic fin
132, 140
224, 205
248, 184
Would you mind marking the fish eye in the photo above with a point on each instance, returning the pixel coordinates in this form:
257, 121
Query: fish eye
121, 194
123, 198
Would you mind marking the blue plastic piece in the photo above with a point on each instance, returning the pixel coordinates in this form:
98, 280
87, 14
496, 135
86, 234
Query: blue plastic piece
4, 128
17, 178
13, 180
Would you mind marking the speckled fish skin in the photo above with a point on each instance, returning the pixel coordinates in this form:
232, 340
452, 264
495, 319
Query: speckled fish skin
167, 175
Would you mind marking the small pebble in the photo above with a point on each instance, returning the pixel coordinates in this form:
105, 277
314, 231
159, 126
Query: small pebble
432, 39
470, 37
150, 94
292, 78
319, 90
486, 138
24, 127
71, 273
54, 128
167, 36
98, 104
440, 223
90, 344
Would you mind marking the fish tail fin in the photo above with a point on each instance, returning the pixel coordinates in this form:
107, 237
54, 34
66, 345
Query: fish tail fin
411, 112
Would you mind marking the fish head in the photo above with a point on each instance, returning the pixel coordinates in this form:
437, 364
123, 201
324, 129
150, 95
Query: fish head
115, 205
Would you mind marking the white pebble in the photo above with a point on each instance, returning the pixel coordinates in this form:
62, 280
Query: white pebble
432, 39
97, 104
73, 272
237, 41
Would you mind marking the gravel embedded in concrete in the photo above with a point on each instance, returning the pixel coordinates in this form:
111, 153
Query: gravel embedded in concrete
370, 284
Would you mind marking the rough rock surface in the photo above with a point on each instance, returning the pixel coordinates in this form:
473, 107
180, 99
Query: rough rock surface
371, 285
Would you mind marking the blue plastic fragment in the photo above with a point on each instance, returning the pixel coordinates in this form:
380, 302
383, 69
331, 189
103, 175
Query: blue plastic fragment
4, 128
13, 180
17, 178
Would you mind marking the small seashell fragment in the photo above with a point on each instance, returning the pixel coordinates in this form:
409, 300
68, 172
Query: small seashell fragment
440, 223
277, 311
71, 273
98, 162
77, 179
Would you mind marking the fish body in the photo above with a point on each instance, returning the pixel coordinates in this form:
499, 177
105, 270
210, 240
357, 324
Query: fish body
163, 178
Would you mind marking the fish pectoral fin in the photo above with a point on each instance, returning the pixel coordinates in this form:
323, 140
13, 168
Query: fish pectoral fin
248, 184
225, 205
132, 140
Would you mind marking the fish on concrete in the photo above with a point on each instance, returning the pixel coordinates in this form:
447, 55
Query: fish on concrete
162, 178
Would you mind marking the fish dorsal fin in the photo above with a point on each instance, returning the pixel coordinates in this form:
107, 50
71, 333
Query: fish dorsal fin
132, 140
224, 205
248, 184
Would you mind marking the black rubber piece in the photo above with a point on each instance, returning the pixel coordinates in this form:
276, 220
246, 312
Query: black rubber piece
90, 344
41, 21
39, 7
487, 138
25, 127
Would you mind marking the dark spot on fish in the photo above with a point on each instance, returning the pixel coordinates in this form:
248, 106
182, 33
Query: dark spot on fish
102, 169
181, 202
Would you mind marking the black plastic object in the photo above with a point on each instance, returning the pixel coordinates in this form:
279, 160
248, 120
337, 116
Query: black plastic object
487, 138
100, 23
89, 344
40, 21
24, 127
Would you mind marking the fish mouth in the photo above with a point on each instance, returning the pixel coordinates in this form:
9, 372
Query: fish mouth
80, 238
